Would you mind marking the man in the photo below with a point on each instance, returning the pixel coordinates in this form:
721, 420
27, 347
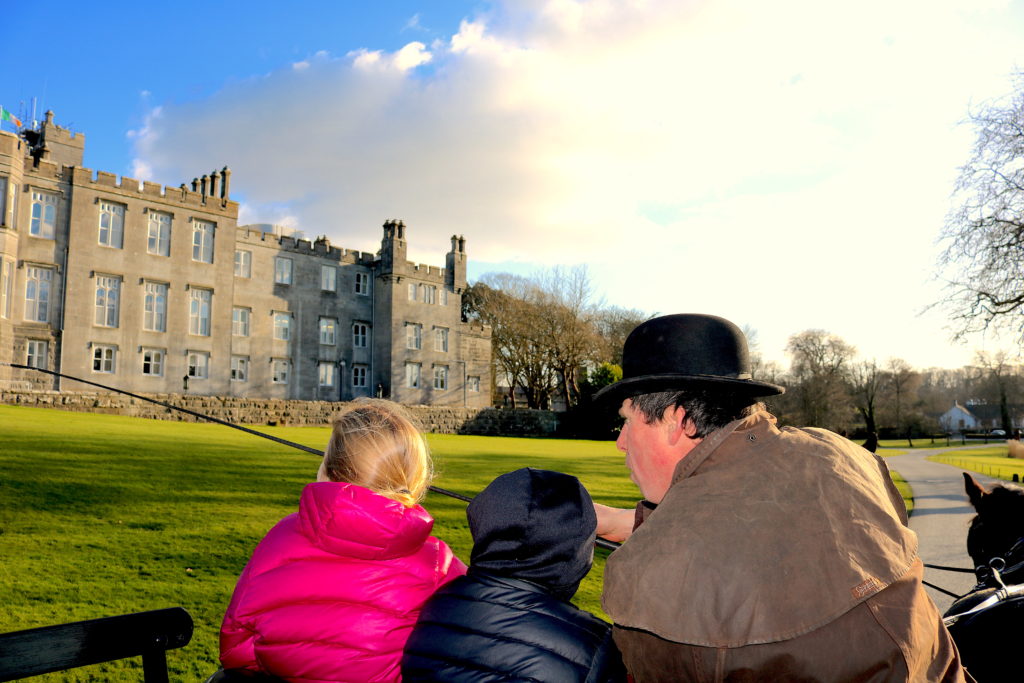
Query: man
759, 553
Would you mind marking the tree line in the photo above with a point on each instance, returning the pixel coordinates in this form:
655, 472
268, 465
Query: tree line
552, 338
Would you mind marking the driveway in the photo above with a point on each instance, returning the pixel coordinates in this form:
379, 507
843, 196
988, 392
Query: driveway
941, 516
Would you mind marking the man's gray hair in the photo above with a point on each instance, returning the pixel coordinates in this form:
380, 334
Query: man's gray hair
706, 410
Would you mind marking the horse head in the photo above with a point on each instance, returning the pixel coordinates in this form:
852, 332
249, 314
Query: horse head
998, 528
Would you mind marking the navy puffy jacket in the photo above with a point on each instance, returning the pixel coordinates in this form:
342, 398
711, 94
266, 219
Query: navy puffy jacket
482, 627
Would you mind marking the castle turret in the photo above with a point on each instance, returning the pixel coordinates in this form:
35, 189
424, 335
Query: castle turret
455, 265
393, 247
52, 143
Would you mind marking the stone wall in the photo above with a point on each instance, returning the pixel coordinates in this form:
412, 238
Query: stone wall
435, 419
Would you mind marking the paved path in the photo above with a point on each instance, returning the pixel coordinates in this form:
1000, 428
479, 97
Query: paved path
941, 516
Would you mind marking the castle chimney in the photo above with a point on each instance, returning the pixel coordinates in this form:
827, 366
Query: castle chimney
49, 116
214, 177
195, 184
224, 186
462, 244
202, 185
401, 230
455, 243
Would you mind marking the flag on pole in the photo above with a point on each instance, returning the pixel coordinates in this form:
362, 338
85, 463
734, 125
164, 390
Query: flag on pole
8, 116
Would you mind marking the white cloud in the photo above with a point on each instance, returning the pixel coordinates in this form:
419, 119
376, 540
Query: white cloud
789, 162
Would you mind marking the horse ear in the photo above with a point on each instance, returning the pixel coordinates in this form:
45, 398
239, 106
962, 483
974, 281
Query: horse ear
974, 490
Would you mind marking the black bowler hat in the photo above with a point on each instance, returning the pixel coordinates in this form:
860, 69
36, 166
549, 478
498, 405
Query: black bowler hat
686, 350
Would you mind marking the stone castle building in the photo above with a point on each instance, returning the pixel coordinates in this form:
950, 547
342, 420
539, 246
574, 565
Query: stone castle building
157, 289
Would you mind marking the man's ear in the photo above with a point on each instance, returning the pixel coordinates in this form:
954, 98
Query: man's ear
676, 424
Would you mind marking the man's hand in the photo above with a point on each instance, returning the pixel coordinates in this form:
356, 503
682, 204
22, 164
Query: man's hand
614, 524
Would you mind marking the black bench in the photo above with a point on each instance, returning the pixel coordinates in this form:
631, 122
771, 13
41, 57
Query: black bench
67, 646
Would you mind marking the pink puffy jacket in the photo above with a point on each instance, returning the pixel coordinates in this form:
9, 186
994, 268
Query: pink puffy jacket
332, 592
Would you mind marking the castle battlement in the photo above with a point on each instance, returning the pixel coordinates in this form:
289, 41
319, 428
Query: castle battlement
321, 247
145, 190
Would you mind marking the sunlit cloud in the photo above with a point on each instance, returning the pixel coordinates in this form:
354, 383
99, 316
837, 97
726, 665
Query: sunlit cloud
684, 150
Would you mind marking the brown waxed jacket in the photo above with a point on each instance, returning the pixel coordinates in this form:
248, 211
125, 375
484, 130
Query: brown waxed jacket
777, 554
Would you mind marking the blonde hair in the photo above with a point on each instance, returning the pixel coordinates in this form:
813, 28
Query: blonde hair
375, 443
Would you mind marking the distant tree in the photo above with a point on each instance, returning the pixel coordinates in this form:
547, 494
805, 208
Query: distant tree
1003, 379
563, 298
819, 368
984, 233
613, 324
902, 379
866, 382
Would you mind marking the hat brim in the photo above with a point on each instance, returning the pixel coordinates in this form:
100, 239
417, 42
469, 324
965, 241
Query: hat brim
649, 384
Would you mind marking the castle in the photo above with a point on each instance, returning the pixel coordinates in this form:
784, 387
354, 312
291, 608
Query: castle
156, 289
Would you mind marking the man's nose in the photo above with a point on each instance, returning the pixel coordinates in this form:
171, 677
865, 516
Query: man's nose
620, 442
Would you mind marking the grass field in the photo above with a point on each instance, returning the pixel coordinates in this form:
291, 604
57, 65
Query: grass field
989, 460
103, 515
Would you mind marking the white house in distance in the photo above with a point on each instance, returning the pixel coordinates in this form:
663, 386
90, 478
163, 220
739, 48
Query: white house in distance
979, 417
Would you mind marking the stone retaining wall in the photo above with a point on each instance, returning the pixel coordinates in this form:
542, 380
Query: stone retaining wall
435, 419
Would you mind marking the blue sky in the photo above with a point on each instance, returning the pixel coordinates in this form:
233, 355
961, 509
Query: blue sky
787, 165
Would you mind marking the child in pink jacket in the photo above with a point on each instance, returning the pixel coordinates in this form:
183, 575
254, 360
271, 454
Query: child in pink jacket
332, 592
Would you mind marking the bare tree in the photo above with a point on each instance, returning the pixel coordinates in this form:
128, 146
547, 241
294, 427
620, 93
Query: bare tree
565, 309
984, 233
902, 377
866, 382
508, 304
613, 324
1003, 376
819, 368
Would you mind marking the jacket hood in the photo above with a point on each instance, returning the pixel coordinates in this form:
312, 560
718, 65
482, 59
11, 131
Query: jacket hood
350, 520
534, 525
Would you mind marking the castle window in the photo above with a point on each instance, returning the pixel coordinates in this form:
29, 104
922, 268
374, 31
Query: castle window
243, 263
108, 291
412, 291
199, 312
3, 201
283, 270
154, 307
198, 364
240, 368
444, 296
36, 354
358, 376
153, 362
159, 240
202, 241
440, 376
282, 326
326, 373
441, 339
11, 214
412, 375
44, 215
429, 294
360, 335
240, 321
363, 284
279, 371
329, 278
104, 358
328, 331
6, 285
111, 225
413, 336
473, 383
37, 294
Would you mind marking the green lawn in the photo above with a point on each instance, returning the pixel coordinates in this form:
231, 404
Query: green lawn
103, 515
904, 488
989, 460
